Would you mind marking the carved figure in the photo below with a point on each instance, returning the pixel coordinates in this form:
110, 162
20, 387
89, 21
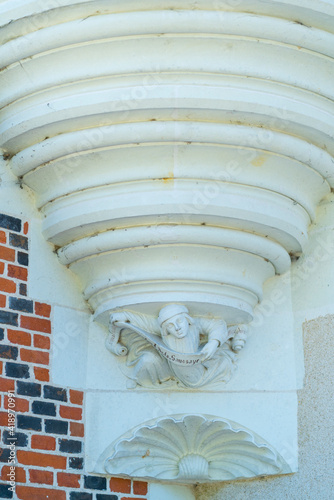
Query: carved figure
174, 347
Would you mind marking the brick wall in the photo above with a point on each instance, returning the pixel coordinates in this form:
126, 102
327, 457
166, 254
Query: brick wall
48, 431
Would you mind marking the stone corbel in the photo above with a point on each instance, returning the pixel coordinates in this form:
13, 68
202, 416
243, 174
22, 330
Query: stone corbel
198, 189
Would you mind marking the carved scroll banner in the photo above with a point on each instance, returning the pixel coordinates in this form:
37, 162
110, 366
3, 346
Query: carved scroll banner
181, 359
112, 342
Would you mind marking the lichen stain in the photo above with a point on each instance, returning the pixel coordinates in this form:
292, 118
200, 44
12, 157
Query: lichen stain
259, 161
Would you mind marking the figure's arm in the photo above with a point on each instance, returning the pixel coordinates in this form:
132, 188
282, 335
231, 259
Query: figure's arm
217, 333
147, 323
215, 329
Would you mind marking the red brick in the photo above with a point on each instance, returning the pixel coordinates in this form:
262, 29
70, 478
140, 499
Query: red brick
3, 299
2, 267
43, 442
18, 337
20, 475
21, 405
36, 324
38, 357
1, 367
41, 476
70, 413
41, 341
30, 493
120, 485
7, 254
25, 228
139, 488
4, 419
76, 397
77, 429
7, 384
132, 498
42, 309
42, 374
41, 459
20, 273
3, 237
7, 286
68, 480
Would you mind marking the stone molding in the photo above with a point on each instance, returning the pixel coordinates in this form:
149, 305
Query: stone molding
170, 161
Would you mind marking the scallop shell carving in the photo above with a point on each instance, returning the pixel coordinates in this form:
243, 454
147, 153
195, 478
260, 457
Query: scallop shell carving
194, 448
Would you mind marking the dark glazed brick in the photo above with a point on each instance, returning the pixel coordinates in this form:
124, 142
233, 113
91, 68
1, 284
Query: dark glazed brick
16, 240
28, 389
11, 223
2, 333
70, 446
9, 318
76, 463
21, 304
23, 289
101, 496
17, 438
56, 426
23, 258
95, 483
16, 370
76, 495
8, 352
5, 492
5, 455
43, 408
29, 423
55, 393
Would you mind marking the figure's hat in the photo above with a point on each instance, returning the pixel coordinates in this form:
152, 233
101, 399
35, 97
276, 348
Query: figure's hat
170, 311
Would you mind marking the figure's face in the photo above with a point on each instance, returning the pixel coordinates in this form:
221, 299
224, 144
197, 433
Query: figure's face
178, 326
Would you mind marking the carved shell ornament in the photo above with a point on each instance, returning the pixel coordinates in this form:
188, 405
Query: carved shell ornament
193, 448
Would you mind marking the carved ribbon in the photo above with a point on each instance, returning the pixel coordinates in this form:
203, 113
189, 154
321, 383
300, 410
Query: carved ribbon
181, 359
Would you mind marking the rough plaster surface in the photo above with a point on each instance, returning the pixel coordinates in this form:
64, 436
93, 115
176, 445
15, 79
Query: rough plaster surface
315, 479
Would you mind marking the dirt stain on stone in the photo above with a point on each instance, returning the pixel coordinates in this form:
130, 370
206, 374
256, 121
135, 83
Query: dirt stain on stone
259, 161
